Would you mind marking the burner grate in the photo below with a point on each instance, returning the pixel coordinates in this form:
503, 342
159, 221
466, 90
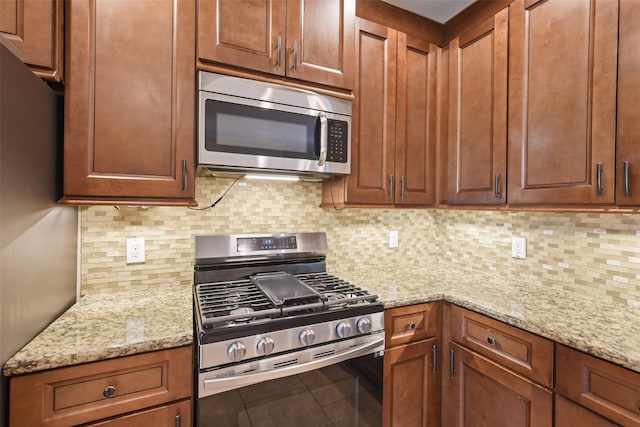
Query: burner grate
230, 302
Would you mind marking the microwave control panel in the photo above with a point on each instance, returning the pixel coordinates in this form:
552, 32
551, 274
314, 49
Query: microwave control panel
337, 141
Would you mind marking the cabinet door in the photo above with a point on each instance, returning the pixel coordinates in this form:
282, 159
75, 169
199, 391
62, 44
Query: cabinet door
568, 414
320, 41
244, 33
562, 101
416, 135
411, 396
129, 102
483, 393
628, 144
36, 28
373, 120
175, 415
477, 158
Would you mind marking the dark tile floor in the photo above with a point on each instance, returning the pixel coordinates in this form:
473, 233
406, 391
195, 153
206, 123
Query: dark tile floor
327, 397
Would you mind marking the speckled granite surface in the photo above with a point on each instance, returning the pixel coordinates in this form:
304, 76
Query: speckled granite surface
607, 330
103, 326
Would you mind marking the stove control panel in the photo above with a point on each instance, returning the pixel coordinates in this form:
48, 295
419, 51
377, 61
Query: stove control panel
252, 244
286, 340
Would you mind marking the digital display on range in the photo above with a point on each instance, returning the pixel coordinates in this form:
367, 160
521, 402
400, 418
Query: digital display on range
252, 244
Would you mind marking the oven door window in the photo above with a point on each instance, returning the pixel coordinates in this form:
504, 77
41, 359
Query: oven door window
344, 394
244, 129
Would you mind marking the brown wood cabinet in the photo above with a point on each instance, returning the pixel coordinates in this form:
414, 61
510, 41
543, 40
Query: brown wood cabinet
494, 374
36, 28
569, 414
608, 390
518, 350
628, 125
393, 139
310, 40
129, 134
477, 148
131, 385
485, 393
411, 395
562, 102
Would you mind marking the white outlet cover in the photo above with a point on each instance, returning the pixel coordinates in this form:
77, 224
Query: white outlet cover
135, 250
519, 247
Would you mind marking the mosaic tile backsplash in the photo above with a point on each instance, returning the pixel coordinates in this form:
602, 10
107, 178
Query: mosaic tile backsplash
594, 254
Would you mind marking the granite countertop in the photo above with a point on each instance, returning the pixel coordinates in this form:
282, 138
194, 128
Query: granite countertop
610, 331
104, 326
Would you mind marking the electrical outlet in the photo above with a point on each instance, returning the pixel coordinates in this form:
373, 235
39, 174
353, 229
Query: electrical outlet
135, 250
393, 239
519, 247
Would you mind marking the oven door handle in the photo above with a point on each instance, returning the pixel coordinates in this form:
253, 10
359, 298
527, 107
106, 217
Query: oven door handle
218, 385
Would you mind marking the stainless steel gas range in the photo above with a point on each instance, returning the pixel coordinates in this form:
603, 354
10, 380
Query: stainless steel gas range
280, 341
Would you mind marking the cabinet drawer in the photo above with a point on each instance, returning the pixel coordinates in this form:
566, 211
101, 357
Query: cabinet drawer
93, 391
605, 388
177, 414
518, 350
412, 323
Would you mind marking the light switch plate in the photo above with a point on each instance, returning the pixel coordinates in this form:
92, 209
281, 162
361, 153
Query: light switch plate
393, 239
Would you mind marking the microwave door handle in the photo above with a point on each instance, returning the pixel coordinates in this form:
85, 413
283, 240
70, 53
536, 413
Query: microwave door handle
324, 138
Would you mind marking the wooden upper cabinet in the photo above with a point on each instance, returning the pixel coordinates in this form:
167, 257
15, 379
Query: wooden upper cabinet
628, 138
36, 28
373, 121
393, 139
311, 40
477, 146
129, 102
562, 101
415, 163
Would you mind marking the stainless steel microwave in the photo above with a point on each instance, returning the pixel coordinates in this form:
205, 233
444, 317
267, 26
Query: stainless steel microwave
252, 126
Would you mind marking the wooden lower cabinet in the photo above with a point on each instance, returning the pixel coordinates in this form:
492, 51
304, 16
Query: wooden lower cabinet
569, 414
412, 374
412, 385
174, 415
483, 393
599, 386
151, 389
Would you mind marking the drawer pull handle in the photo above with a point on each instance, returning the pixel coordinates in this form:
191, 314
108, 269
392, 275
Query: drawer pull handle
491, 340
109, 391
412, 325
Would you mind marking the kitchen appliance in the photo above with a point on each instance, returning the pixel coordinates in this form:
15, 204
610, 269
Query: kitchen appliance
38, 237
253, 126
279, 340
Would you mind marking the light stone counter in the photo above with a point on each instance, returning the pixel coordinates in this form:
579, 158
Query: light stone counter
607, 330
104, 326
110, 325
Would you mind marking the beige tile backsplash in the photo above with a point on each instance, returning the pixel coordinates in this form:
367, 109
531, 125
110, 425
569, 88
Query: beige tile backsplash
596, 254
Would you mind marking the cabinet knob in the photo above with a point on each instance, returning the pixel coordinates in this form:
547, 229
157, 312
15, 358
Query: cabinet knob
412, 325
109, 391
491, 340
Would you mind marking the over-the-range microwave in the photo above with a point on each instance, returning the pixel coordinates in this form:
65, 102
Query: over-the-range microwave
252, 126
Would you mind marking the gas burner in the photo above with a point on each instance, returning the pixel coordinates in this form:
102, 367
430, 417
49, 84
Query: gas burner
242, 310
234, 298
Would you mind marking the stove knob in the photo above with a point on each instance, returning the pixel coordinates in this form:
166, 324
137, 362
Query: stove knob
307, 337
265, 346
236, 351
343, 329
364, 326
